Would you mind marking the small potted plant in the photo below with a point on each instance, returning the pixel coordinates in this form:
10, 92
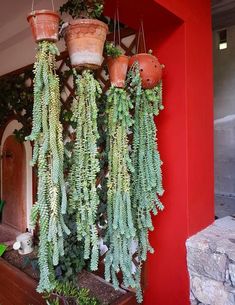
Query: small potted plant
85, 36
150, 69
117, 65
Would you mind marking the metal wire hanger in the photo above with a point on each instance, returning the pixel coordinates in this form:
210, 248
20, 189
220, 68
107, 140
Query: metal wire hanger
52, 3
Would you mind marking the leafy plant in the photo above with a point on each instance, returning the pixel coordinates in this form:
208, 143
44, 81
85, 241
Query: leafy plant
67, 293
146, 181
30, 262
48, 154
16, 101
83, 197
112, 50
2, 203
83, 8
121, 230
73, 260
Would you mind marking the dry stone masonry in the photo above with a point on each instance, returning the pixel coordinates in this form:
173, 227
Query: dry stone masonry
211, 264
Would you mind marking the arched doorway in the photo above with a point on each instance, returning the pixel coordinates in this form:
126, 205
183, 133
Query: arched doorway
14, 184
16, 179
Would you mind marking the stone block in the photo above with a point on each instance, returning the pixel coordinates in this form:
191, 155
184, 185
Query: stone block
231, 269
206, 263
211, 292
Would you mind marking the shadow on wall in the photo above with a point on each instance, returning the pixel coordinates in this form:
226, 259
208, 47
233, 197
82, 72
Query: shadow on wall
224, 131
225, 155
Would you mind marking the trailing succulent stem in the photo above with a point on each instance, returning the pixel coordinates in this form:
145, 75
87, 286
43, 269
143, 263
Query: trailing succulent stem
48, 155
146, 182
83, 197
121, 231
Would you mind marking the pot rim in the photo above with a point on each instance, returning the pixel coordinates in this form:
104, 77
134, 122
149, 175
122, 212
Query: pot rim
143, 54
113, 58
75, 22
42, 12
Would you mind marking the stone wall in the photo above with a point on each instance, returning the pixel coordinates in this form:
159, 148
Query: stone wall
211, 264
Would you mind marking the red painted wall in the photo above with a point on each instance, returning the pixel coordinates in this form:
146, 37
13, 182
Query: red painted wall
179, 32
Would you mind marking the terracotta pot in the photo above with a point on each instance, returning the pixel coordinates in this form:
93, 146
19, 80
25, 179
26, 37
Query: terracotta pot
117, 70
150, 69
85, 42
44, 25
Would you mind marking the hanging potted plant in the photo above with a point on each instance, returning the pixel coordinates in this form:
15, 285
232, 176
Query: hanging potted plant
149, 67
117, 65
121, 227
48, 152
44, 24
86, 35
146, 177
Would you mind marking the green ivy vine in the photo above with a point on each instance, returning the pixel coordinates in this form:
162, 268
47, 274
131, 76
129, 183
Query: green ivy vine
48, 154
16, 101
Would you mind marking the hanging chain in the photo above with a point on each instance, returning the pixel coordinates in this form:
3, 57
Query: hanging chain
52, 3
141, 33
116, 27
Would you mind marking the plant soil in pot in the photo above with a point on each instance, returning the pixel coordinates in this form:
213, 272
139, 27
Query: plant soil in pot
150, 69
44, 25
85, 42
117, 70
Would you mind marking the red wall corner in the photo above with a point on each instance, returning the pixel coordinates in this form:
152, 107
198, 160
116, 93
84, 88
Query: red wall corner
179, 32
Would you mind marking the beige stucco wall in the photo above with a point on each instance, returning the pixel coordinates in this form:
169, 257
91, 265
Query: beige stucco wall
17, 48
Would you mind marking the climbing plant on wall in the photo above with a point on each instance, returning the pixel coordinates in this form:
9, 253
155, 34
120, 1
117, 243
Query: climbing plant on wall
16, 101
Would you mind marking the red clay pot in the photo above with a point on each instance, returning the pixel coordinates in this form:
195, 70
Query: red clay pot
44, 25
85, 42
117, 70
150, 69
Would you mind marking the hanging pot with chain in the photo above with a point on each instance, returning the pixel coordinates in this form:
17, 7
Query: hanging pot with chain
150, 68
44, 24
85, 40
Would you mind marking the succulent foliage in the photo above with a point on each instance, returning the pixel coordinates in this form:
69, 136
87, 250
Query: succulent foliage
83, 196
121, 230
67, 293
146, 181
48, 155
